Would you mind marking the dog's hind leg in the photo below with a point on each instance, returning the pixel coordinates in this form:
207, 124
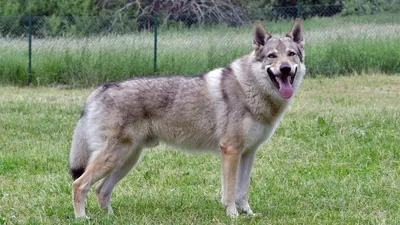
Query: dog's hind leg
242, 193
105, 188
113, 156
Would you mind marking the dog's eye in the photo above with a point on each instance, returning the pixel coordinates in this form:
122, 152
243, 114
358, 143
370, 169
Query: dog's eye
291, 54
271, 56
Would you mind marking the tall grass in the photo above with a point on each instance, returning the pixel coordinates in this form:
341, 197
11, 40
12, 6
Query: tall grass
343, 57
334, 46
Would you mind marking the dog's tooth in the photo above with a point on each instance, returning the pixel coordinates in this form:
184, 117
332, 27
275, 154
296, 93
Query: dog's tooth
269, 67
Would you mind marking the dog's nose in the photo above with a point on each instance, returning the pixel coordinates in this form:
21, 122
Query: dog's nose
285, 68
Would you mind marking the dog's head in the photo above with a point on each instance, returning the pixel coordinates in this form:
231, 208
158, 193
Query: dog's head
281, 59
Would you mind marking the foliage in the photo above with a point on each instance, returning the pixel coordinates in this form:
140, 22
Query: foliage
54, 16
67, 18
369, 7
46, 8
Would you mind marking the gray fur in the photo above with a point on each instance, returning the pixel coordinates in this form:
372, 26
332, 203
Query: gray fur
230, 111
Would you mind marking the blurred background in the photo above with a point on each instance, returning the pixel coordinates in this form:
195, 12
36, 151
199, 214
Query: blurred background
82, 43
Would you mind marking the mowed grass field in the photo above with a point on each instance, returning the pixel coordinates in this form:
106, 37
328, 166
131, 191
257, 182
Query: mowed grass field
334, 159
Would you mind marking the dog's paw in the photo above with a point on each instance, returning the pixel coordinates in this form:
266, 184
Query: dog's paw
247, 211
244, 207
84, 217
231, 211
110, 211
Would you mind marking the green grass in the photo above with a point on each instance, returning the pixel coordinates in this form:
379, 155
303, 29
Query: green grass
334, 160
334, 46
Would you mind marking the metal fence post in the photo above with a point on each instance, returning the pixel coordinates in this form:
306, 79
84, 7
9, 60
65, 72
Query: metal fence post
155, 42
30, 48
298, 10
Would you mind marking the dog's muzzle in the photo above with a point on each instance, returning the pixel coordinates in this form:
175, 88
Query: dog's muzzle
283, 79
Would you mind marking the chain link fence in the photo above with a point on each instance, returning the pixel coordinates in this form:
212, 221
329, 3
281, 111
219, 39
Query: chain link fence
86, 51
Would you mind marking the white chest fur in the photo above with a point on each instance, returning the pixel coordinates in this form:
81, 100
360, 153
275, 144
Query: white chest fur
257, 133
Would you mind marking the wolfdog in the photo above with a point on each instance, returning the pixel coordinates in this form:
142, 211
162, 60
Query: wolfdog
230, 111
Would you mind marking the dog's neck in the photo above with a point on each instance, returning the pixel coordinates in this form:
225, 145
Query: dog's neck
264, 104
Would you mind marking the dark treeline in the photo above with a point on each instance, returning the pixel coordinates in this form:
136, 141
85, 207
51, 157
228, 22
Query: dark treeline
92, 17
135, 8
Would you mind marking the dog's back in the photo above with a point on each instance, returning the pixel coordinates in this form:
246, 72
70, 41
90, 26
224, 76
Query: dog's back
145, 111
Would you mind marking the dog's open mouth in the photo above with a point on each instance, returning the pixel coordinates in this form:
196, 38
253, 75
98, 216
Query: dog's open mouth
283, 82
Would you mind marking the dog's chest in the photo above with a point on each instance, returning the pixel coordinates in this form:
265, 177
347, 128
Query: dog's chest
257, 133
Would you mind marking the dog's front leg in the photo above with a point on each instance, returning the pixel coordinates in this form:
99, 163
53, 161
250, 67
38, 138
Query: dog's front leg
230, 157
242, 193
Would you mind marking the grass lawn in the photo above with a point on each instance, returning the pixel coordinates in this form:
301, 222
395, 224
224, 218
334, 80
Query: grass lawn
335, 159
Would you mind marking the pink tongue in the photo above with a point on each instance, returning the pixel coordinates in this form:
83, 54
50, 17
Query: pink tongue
285, 88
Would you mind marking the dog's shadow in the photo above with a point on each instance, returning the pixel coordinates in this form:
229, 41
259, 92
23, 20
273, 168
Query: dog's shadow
159, 206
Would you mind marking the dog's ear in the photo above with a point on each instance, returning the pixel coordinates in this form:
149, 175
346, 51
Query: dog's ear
296, 32
260, 35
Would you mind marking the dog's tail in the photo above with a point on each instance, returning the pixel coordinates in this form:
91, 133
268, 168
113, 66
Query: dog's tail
80, 153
